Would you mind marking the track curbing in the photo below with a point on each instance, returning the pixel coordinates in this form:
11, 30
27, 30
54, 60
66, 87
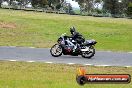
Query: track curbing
48, 62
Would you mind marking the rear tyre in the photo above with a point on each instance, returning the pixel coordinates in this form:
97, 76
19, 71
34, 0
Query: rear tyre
90, 53
56, 50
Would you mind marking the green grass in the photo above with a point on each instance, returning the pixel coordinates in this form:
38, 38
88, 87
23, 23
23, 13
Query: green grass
42, 29
41, 75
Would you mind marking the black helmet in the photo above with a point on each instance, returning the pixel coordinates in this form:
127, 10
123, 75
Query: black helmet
72, 30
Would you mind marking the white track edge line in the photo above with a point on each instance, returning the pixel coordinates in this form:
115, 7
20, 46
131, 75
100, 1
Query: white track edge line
88, 64
103, 65
49, 48
31, 47
30, 61
70, 63
13, 60
49, 62
127, 66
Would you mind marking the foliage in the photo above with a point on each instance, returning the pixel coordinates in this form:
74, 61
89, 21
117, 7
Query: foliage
85, 5
0, 3
114, 7
129, 11
58, 6
39, 3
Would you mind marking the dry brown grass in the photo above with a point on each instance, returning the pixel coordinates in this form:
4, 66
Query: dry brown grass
6, 25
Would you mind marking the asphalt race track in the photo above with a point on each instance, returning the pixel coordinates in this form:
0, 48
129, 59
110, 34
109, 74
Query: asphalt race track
43, 55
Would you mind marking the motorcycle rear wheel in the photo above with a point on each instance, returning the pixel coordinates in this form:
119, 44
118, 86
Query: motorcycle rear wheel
88, 54
56, 50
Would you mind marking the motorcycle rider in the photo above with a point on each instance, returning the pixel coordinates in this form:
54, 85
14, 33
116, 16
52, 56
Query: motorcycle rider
77, 38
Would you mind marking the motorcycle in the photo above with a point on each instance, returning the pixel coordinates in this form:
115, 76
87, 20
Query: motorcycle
66, 46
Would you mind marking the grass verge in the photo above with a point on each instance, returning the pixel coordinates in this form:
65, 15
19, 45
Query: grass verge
41, 75
22, 28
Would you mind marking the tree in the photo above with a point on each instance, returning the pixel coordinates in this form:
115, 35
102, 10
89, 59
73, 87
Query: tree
43, 3
0, 3
109, 6
81, 4
116, 7
89, 5
39, 3
129, 10
51, 3
55, 4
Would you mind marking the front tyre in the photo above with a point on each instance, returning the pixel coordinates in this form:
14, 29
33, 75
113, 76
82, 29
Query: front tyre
56, 50
90, 53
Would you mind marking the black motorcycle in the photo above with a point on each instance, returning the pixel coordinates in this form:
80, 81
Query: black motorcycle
66, 46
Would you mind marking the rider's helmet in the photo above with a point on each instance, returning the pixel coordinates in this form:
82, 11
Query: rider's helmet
72, 30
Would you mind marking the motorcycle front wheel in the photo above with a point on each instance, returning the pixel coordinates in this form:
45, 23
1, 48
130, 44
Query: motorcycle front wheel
56, 50
90, 53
